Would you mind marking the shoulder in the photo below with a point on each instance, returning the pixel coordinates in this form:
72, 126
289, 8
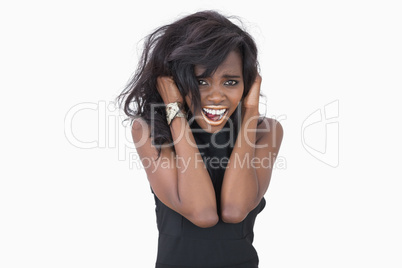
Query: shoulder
141, 134
269, 129
140, 130
138, 124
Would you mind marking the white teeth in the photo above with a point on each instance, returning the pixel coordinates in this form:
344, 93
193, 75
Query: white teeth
214, 111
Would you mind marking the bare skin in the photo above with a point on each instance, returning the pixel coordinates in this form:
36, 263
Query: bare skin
243, 188
185, 185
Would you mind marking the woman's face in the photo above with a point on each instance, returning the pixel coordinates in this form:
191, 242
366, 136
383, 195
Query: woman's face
220, 93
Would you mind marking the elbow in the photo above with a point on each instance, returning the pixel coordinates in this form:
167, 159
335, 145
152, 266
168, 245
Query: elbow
205, 220
233, 215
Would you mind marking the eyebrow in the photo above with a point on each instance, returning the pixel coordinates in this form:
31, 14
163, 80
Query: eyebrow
227, 76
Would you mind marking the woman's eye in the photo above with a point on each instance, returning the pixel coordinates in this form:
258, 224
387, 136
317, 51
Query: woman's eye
202, 82
231, 83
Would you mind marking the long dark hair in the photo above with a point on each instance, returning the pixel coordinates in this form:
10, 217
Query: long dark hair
204, 38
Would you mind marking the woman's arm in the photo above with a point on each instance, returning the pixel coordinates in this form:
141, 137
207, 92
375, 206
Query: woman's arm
181, 181
249, 170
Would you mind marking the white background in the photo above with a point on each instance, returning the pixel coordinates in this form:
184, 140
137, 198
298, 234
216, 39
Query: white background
62, 205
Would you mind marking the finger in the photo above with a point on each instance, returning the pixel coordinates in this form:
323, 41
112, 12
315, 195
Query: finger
258, 79
257, 84
163, 83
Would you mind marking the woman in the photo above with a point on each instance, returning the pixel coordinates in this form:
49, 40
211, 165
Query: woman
207, 153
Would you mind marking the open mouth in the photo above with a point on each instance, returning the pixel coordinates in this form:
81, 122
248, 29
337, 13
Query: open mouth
214, 115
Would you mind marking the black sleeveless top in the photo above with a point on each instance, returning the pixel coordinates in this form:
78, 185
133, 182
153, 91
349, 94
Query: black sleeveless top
182, 244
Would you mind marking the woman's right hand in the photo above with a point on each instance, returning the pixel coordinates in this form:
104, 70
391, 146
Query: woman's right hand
168, 90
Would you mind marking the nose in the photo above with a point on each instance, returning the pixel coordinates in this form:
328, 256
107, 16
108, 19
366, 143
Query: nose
216, 95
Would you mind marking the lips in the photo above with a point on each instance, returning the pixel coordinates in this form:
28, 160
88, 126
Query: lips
214, 115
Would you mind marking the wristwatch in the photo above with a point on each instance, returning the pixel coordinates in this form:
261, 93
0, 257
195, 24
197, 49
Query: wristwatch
172, 111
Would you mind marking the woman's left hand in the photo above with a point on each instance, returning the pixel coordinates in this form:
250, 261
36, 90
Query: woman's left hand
252, 99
